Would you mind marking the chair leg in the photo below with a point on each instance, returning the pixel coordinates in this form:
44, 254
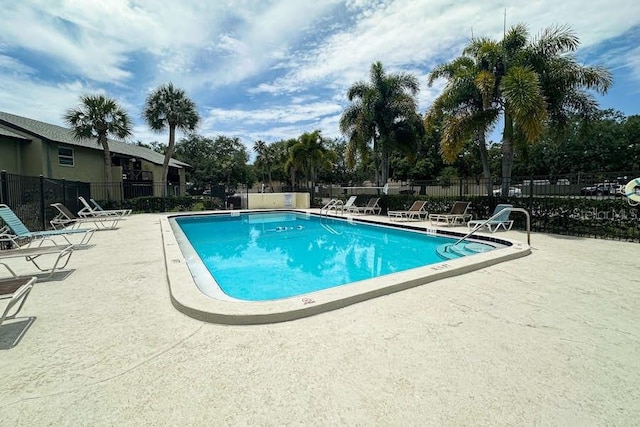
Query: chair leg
9, 268
64, 254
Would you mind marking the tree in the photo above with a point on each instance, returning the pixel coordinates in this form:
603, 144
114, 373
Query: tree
197, 151
156, 146
169, 107
532, 84
464, 111
382, 113
265, 159
98, 117
230, 159
308, 155
279, 153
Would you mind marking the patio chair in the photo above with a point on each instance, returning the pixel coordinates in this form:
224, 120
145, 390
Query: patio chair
416, 211
15, 230
88, 211
16, 290
499, 218
97, 207
371, 207
65, 218
457, 214
349, 205
31, 254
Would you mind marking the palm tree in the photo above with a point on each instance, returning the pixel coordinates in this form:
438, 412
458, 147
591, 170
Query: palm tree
380, 113
169, 107
532, 84
464, 109
263, 159
98, 117
308, 154
260, 148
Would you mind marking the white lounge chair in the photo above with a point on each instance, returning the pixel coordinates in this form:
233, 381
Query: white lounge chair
349, 205
372, 207
15, 231
31, 254
14, 291
457, 215
99, 208
416, 211
88, 211
495, 222
66, 218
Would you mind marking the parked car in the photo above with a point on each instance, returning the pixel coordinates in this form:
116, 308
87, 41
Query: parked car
603, 189
513, 192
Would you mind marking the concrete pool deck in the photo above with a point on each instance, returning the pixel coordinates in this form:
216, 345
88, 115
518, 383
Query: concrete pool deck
551, 338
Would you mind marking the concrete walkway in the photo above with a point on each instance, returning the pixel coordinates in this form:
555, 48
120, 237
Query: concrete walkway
549, 339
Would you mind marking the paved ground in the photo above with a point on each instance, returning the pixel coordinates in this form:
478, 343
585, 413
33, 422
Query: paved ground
549, 339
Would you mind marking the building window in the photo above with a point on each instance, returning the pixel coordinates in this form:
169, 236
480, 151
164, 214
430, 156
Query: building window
65, 156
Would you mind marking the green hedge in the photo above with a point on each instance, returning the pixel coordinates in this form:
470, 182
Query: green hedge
165, 204
611, 218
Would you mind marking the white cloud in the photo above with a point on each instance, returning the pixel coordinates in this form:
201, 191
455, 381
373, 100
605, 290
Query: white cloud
290, 114
272, 68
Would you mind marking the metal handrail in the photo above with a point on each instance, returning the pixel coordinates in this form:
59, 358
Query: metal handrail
494, 216
333, 203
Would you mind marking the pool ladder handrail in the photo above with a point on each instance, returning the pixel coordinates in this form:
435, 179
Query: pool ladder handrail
335, 204
494, 216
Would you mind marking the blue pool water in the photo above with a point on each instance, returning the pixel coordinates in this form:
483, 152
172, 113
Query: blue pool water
266, 256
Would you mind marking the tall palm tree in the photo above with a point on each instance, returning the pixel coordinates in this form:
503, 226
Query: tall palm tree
379, 115
465, 109
98, 117
265, 159
532, 84
169, 107
262, 158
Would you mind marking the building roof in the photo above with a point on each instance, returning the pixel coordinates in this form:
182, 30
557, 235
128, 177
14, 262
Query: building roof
63, 135
7, 132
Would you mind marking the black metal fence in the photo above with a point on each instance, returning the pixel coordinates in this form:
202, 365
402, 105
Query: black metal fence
30, 197
590, 205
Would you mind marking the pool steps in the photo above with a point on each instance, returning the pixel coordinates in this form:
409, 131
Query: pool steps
450, 251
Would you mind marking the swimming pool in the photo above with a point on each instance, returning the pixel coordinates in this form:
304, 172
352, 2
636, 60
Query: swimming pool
300, 253
258, 267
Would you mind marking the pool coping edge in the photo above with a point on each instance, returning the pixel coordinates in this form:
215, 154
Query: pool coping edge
188, 299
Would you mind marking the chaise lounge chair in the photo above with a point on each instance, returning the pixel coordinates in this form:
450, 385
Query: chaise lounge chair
89, 211
457, 215
495, 222
416, 211
353, 208
16, 290
15, 231
66, 218
99, 208
31, 254
349, 205
372, 207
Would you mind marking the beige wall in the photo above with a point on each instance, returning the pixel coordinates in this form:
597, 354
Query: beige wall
278, 200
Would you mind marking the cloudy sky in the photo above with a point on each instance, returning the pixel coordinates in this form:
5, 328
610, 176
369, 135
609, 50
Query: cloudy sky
273, 69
